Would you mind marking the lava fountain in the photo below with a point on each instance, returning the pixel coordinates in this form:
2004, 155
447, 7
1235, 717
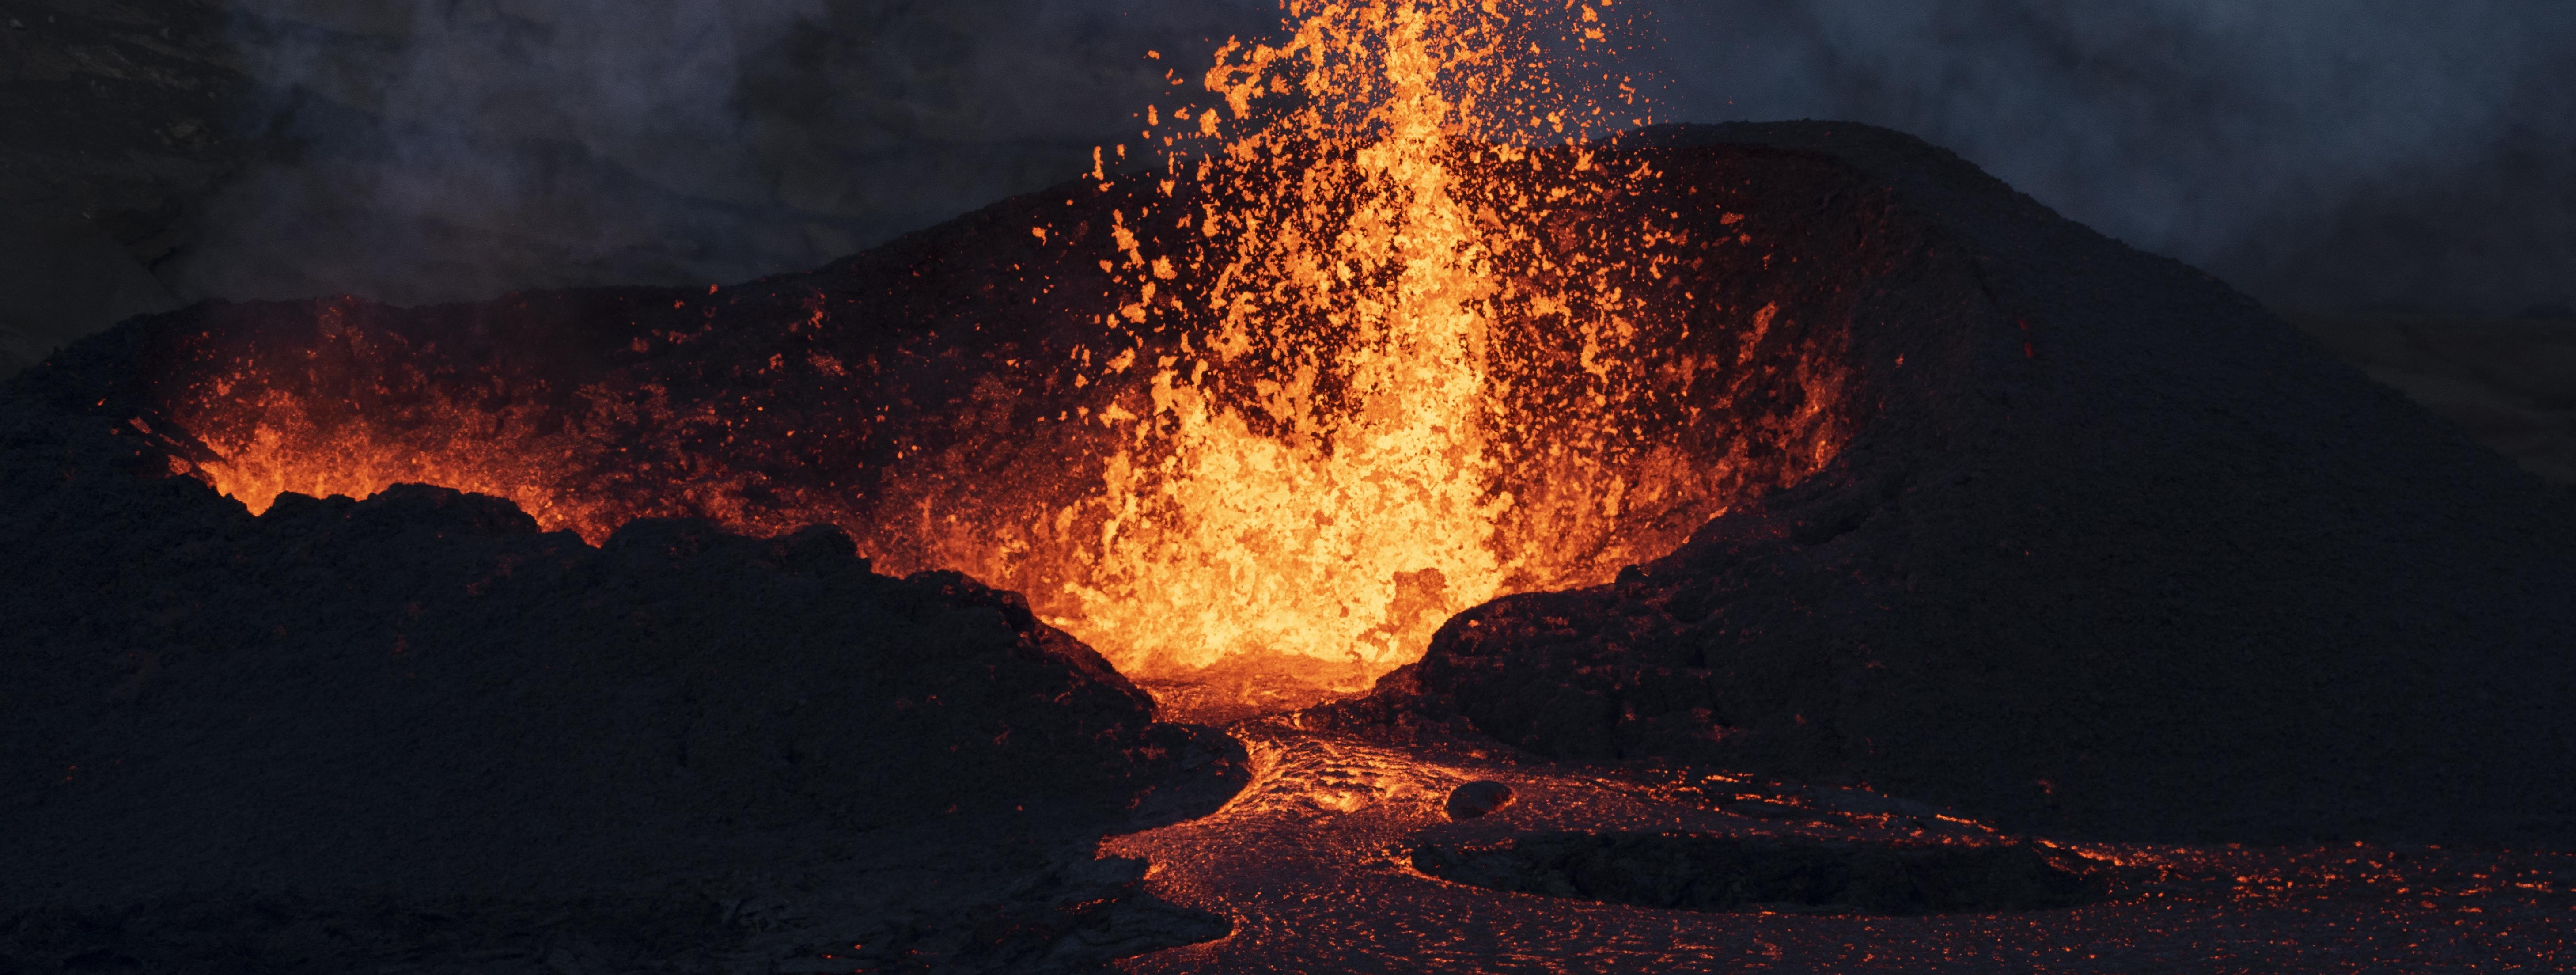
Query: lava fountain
1377, 337
1344, 248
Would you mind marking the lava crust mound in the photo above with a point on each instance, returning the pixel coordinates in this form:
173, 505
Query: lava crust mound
421, 693
2112, 551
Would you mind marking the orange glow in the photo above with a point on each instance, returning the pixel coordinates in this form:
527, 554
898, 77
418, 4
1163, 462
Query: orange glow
1261, 521
1386, 343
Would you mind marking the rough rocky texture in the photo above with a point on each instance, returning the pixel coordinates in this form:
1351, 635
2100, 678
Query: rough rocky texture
2113, 551
1477, 799
1712, 873
924, 902
417, 714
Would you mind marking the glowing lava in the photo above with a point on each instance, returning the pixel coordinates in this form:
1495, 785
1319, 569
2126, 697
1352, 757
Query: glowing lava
1374, 342
1342, 253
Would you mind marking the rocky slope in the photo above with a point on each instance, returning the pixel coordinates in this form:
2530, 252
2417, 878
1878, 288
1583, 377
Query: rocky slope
2112, 551
335, 731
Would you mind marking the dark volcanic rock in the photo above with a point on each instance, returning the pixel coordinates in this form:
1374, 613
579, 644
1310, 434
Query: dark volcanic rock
421, 697
2112, 550
1478, 799
1712, 873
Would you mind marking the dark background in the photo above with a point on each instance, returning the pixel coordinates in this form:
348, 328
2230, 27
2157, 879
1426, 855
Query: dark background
2359, 164
2327, 155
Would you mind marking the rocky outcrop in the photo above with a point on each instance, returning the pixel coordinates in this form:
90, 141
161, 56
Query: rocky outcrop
421, 694
1680, 871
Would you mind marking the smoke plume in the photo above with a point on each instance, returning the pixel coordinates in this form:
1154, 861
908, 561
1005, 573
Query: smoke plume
2325, 154
450, 149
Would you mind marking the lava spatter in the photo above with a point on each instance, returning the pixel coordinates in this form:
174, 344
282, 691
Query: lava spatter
1372, 343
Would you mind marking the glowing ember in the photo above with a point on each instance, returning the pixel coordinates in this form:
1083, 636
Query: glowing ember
1372, 345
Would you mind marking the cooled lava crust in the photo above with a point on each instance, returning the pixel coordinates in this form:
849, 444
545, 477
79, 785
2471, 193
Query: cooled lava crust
417, 727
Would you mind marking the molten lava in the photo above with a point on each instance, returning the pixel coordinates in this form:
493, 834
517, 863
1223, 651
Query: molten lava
1374, 342
1346, 247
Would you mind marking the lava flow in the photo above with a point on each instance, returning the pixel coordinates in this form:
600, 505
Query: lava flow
1378, 338
1320, 864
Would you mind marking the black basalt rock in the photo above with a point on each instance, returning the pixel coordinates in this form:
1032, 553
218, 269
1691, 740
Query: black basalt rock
1707, 873
1479, 798
2111, 551
421, 692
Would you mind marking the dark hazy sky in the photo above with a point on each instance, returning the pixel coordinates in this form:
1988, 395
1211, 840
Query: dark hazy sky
2341, 154
2328, 151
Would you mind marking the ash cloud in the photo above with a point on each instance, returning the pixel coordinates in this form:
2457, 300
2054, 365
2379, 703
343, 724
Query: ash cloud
2351, 155
442, 150
2337, 155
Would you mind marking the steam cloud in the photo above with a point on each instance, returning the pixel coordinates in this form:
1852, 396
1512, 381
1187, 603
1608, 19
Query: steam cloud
2331, 154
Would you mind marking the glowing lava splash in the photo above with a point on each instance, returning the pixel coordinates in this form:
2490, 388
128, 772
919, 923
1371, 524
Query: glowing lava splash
1377, 338
1343, 252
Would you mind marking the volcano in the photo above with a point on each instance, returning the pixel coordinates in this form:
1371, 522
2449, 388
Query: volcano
2112, 551
2016, 521
2217, 558
1795, 481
